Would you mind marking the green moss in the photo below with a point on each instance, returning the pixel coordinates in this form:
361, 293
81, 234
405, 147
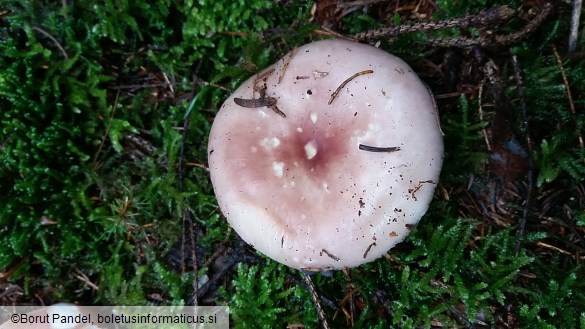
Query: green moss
262, 297
93, 101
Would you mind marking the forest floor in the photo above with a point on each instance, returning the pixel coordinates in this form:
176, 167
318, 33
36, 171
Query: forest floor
105, 197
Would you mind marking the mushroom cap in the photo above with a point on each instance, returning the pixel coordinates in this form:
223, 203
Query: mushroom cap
296, 185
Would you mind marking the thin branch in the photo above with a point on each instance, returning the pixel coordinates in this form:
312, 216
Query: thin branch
315, 298
48, 35
360, 3
377, 149
107, 129
197, 165
530, 174
577, 4
82, 277
480, 109
338, 90
548, 246
233, 256
329, 32
487, 17
568, 89
188, 223
64, 5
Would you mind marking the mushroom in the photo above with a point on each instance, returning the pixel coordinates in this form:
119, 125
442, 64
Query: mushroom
329, 157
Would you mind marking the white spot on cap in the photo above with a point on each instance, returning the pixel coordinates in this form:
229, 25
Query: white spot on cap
270, 143
254, 149
319, 74
278, 168
313, 117
311, 149
262, 113
299, 129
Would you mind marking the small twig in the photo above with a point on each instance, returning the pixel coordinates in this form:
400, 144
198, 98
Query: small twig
345, 83
480, 109
498, 40
205, 84
568, 89
12, 268
577, 4
326, 301
349, 297
329, 32
189, 230
255, 102
330, 255
530, 174
82, 277
169, 84
378, 149
277, 110
236, 253
264, 75
484, 18
528, 29
285, 65
571, 225
548, 246
361, 3
450, 95
107, 129
182, 149
315, 298
461, 317
64, 5
137, 86
373, 244
268, 101
188, 223
197, 165
48, 35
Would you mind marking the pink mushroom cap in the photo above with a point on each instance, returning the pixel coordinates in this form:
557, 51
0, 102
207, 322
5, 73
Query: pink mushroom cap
329, 157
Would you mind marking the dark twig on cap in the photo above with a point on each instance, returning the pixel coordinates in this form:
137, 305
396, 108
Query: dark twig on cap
255, 102
378, 149
330, 255
277, 110
346, 82
373, 244
268, 101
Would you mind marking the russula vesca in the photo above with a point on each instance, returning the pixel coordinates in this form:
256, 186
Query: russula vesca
327, 158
